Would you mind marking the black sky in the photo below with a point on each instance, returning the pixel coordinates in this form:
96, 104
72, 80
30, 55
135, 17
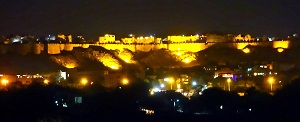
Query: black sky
93, 18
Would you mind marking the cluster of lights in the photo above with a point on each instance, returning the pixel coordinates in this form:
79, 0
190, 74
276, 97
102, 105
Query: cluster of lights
148, 111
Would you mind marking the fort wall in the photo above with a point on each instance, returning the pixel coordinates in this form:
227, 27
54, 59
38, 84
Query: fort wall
191, 47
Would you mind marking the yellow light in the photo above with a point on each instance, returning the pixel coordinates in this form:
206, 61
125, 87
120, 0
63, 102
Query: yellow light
70, 66
241, 94
114, 67
280, 50
151, 92
228, 80
246, 50
281, 44
255, 74
271, 80
178, 86
178, 54
125, 81
171, 80
84, 81
187, 60
46, 81
4, 82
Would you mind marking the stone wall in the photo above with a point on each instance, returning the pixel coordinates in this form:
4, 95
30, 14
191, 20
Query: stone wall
191, 47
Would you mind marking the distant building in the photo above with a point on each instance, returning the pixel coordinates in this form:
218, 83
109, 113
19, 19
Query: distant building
216, 38
183, 39
107, 38
245, 38
224, 72
128, 40
24, 79
141, 39
67, 38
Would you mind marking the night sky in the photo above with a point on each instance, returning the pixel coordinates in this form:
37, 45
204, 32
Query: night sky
93, 18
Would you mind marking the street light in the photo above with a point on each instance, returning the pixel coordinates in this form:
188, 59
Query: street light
170, 80
46, 81
178, 86
125, 81
84, 81
4, 82
271, 80
194, 83
228, 81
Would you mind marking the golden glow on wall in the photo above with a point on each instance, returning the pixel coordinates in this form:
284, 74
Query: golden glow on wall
183, 56
111, 63
246, 50
281, 44
66, 61
107, 59
181, 39
187, 60
126, 56
241, 46
70, 65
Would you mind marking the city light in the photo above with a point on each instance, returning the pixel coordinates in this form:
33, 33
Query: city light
114, 67
83, 81
70, 65
228, 81
162, 85
271, 81
187, 60
166, 79
4, 82
46, 81
125, 81
194, 83
280, 50
170, 80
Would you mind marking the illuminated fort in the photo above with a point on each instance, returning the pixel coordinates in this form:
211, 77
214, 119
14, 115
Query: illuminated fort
182, 47
146, 44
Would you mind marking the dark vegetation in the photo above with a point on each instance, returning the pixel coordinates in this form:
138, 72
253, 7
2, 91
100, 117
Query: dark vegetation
36, 102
